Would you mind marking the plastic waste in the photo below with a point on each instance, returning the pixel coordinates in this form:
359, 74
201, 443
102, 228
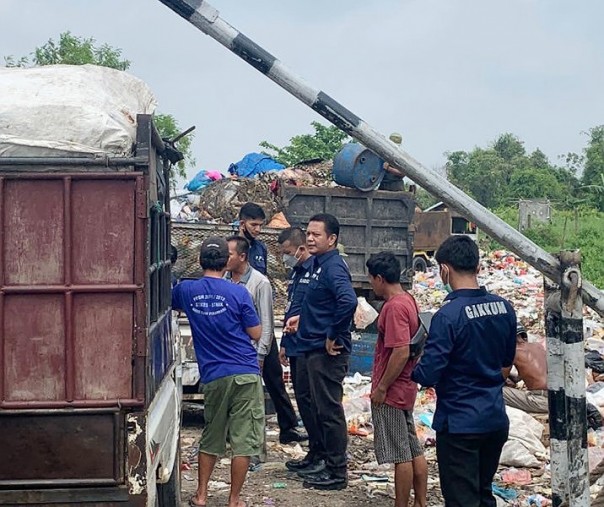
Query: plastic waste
520, 477
365, 314
505, 493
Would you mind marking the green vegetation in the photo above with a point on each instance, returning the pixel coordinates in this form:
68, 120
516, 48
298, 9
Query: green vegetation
323, 145
583, 229
73, 50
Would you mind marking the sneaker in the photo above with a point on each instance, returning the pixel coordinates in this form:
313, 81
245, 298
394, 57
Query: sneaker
315, 467
289, 436
299, 464
324, 481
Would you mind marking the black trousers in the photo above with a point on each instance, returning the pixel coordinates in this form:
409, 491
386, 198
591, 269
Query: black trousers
272, 374
325, 375
299, 373
466, 466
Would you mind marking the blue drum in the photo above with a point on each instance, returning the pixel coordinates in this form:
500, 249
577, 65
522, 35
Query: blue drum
357, 167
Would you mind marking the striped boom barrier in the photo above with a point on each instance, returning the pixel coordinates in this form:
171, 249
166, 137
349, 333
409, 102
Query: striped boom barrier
205, 17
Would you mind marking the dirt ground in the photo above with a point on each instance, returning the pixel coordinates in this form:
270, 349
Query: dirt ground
274, 485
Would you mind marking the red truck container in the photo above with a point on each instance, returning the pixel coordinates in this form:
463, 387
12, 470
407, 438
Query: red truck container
89, 380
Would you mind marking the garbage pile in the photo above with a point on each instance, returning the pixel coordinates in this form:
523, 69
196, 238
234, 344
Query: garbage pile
524, 476
218, 200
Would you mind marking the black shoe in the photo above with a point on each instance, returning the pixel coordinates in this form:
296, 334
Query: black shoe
325, 481
289, 436
315, 467
299, 464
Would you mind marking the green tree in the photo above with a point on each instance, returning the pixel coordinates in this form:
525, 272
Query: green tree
74, 50
323, 144
594, 166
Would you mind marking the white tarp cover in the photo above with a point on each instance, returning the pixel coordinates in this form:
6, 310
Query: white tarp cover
70, 109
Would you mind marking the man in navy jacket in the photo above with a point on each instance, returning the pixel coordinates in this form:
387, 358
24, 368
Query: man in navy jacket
468, 354
324, 337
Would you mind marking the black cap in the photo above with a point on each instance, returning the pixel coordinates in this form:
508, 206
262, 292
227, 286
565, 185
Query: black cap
215, 244
521, 330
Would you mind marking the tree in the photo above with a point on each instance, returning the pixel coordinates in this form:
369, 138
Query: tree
323, 144
594, 156
505, 172
74, 50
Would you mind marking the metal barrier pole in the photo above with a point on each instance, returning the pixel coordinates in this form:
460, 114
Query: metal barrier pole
571, 336
205, 17
556, 394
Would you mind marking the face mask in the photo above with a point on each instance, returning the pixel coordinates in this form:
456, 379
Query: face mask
289, 260
247, 234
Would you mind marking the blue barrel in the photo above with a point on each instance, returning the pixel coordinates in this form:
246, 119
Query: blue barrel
357, 167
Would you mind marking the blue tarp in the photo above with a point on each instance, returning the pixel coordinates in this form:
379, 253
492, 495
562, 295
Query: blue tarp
253, 164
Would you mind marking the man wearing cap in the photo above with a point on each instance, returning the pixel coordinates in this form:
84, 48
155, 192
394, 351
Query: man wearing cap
531, 362
223, 320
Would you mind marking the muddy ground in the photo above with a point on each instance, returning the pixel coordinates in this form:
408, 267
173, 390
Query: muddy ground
274, 485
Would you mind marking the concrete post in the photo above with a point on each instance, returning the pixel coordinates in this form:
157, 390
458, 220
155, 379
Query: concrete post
556, 395
571, 336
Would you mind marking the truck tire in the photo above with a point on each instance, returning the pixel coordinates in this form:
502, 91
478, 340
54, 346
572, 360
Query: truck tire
420, 265
168, 494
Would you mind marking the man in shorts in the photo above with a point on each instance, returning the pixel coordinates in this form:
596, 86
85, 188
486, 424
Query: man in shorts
392, 390
223, 319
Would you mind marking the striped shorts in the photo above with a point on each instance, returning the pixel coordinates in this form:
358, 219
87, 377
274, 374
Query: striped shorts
395, 440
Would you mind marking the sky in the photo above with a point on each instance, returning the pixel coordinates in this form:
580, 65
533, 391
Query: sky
447, 74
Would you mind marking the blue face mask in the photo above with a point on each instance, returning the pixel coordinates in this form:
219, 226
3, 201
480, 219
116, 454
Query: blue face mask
448, 288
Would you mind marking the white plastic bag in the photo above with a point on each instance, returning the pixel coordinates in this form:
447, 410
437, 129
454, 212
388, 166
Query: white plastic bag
365, 314
524, 445
70, 109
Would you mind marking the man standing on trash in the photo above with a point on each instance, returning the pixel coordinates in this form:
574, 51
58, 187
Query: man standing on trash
324, 336
296, 256
393, 392
223, 320
531, 362
251, 220
258, 285
467, 357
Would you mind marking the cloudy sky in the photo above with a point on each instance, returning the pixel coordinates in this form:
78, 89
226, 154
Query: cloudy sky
447, 74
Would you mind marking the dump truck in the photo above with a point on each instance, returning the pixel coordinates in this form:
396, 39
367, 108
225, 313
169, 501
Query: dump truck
90, 388
431, 227
369, 223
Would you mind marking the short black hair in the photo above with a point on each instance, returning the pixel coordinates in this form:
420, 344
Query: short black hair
242, 245
295, 235
386, 265
173, 254
251, 211
331, 224
214, 253
460, 252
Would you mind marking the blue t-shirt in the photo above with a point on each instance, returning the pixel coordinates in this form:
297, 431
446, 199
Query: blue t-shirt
472, 337
219, 313
329, 305
297, 285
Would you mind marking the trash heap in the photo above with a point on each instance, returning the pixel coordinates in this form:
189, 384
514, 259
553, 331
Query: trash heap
524, 477
219, 201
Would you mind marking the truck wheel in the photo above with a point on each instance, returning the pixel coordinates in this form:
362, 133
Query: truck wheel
420, 264
168, 494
